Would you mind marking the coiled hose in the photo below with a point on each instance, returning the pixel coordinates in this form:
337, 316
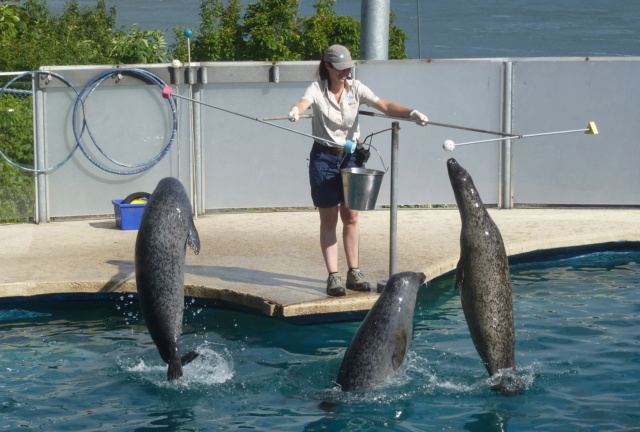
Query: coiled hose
80, 105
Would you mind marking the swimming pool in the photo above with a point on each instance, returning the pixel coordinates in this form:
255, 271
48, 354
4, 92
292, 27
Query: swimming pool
89, 365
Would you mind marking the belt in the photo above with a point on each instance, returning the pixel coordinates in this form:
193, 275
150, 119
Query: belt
326, 149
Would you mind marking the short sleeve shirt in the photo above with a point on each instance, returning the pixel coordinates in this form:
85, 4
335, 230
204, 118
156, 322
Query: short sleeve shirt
338, 120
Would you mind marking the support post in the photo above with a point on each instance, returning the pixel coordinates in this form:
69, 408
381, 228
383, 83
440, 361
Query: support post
393, 213
197, 151
374, 36
506, 198
42, 213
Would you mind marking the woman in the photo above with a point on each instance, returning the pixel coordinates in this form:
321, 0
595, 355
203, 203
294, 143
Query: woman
335, 100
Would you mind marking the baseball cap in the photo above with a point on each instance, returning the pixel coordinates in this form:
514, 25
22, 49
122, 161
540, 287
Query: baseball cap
339, 57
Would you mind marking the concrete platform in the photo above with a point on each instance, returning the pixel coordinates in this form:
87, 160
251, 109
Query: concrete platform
270, 262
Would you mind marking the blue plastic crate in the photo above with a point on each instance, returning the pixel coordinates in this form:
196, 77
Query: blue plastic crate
128, 215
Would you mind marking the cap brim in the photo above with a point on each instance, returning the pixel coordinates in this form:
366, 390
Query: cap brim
344, 65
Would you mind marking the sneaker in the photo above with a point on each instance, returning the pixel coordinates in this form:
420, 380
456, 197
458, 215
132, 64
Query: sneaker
356, 281
335, 287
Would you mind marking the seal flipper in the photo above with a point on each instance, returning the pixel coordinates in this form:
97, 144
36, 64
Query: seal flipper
189, 357
174, 371
193, 239
400, 350
459, 274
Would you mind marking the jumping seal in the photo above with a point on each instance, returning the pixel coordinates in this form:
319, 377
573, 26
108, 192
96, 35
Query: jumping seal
482, 275
166, 228
380, 345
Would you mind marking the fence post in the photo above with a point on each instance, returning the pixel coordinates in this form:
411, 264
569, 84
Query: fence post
42, 213
506, 200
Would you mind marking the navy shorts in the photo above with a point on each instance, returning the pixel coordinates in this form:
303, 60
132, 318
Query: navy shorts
325, 177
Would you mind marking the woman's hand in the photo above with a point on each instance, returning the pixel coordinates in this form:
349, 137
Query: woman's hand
419, 118
294, 114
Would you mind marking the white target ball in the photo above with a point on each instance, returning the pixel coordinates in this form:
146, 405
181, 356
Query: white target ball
449, 145
176, 63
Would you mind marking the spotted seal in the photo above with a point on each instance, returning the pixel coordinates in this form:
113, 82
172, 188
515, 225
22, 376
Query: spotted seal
166, 228
380, 344
482, 275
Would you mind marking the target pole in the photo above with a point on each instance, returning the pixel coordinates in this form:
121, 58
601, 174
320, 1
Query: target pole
590, 130
432, 123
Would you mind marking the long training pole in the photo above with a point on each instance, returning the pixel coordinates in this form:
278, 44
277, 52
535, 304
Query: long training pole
168, 92
589, 130
432, 123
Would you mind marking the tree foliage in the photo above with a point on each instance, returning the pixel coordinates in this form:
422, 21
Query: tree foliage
324, 28
270, 30
16, 143
32, 37
219, 37
267, 30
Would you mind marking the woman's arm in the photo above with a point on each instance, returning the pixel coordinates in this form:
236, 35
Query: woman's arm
298, 108
394, 110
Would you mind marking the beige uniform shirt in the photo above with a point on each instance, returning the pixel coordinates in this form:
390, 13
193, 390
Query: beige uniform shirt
338, 120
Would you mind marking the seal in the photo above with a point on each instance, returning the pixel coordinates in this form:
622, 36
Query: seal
380, 344
165, 230
482, 275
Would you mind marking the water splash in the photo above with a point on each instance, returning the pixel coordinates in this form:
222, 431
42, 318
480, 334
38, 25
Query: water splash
213, 366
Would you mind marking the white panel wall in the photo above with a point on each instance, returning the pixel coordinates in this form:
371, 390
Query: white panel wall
249, 164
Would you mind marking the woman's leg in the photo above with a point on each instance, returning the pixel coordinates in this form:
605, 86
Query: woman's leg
351, 239
328, 237
350, 235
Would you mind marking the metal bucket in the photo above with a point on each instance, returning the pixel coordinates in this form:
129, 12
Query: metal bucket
361, 187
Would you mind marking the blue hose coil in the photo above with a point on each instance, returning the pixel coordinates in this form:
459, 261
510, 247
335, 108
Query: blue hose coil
81, 98
58, 165
88, 89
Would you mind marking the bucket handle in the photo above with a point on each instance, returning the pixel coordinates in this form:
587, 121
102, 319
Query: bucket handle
370, 139
380, 156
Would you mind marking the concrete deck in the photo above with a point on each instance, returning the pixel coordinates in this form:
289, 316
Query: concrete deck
271, 262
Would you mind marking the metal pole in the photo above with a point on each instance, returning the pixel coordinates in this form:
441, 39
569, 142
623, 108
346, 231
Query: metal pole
588, 130
419, 31
393, 229
197, 149
432, 123
374, 36
393, 213
506, 199
42, 214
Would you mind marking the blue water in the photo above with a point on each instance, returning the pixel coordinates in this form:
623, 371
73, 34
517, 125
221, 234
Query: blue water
453, 28
91, 366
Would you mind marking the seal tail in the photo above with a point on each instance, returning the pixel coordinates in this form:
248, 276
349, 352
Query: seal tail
174, 371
